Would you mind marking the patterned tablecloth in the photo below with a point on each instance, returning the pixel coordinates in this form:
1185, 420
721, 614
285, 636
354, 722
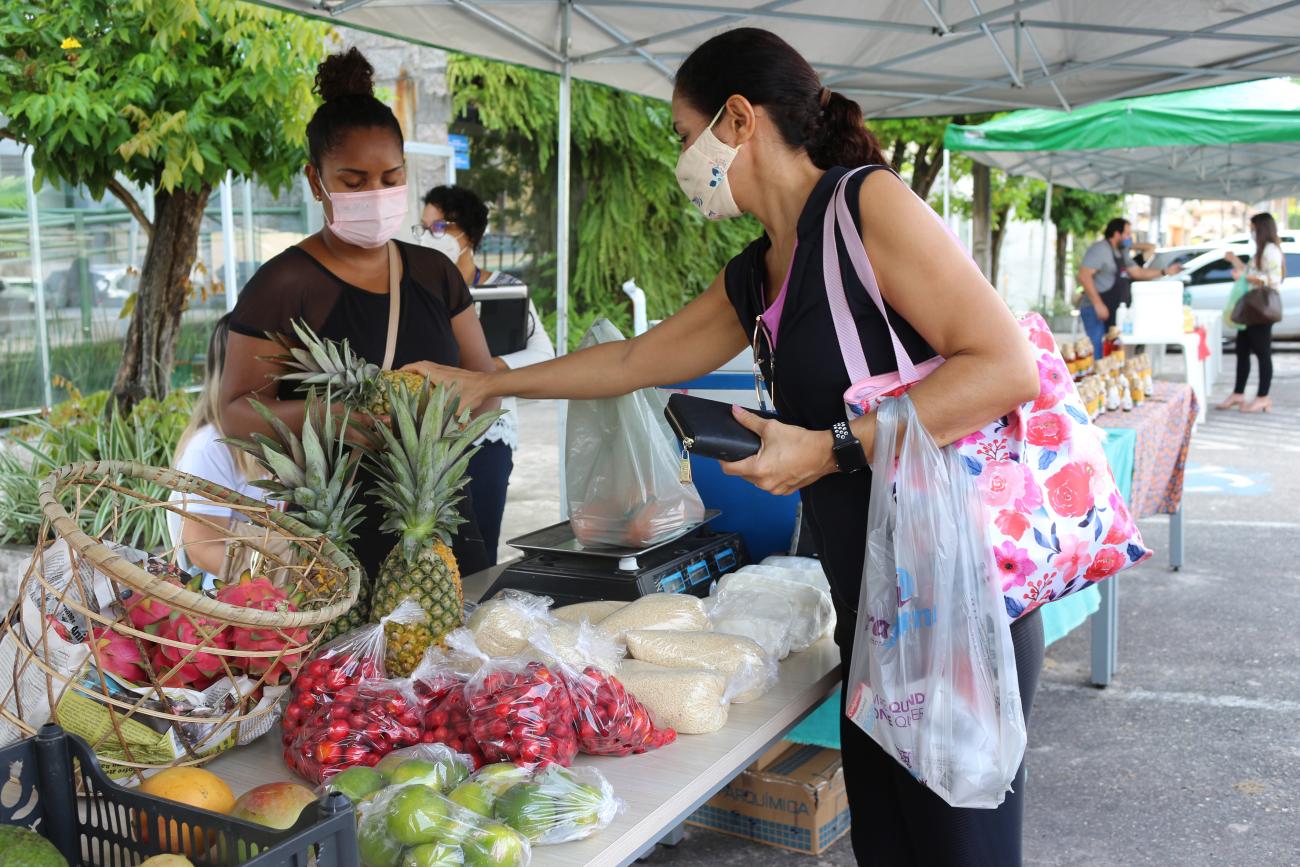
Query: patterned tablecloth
1164, 433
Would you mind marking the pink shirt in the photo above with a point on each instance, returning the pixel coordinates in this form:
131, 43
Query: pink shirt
772, 315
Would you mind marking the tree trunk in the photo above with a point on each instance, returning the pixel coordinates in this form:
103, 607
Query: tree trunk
1000, 219
981, 218
1062, 238
150, 349
927, 170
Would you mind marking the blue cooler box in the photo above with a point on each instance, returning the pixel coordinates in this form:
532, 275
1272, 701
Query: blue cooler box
766, 522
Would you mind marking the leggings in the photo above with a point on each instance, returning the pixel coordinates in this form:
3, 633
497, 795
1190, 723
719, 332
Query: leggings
489, 478
1256, 340
899, 822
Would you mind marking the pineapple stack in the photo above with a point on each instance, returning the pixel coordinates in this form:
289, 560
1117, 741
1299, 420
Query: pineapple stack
315, 475
320, 362
422, 475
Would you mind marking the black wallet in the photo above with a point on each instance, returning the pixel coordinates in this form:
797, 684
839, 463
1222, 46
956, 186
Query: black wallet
708, 429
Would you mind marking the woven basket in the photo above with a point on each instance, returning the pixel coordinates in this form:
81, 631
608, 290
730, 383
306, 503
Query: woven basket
50, 672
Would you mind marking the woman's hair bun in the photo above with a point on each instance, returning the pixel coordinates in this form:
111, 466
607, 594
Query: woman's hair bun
345, 74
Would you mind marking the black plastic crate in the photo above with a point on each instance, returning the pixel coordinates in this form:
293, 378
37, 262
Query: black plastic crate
64, 795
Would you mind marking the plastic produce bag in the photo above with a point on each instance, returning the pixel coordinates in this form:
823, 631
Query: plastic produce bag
933, 674
764, 617
592, 612
608, 720
678, 611
750, 671
558, 805
622, 467
503, 624
414, 824
363, 723
439, 684
581, 645
813, 612
519, 709
691, 701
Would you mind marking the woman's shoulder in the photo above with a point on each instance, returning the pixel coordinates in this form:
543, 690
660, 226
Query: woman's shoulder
274, 294
740, 273
205, 456
425, 264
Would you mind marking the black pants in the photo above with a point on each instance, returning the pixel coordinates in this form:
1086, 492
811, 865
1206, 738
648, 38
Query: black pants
897, 821
1256, 340
489, 478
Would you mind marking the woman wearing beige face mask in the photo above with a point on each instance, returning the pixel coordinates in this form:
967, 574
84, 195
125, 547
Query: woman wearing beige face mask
337, 282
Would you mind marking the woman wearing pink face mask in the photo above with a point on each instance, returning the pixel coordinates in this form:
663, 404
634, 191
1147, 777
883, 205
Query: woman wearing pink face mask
337, 282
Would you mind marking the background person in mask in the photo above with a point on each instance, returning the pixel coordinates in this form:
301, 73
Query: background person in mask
453, 222
337, 282
761, 136
1106, 275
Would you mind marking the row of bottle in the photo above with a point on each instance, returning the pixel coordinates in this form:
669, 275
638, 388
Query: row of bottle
1116, 385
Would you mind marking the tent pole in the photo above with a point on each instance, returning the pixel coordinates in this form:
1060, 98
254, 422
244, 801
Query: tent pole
231, 283
947, 186
562, 226
38, 276
1042, 259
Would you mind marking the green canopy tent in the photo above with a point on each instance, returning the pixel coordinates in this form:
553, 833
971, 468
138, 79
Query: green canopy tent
1239, 142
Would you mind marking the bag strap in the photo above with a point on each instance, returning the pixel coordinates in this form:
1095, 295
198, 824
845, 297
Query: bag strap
846, 330
394, 304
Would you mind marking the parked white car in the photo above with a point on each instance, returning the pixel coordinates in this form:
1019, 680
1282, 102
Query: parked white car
1209, 276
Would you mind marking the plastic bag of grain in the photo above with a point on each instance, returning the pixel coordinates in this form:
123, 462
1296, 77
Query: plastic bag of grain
814, 613
592, 612
503, 624
582, 644
765, 617
749, 670
691, 701
658, 611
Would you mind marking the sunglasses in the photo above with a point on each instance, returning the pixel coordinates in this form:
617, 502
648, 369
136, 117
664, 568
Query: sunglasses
764, 353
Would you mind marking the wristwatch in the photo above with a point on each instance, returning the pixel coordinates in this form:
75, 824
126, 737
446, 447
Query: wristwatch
849, 454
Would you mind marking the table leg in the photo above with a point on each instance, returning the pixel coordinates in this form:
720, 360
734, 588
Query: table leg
1176, 539
1105, 628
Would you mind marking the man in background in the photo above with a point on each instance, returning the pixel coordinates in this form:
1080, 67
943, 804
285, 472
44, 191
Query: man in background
1106, 275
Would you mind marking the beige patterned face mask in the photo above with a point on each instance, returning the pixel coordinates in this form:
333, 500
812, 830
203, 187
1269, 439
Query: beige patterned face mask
702, 174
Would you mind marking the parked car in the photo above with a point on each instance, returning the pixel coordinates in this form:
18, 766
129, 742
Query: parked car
1208, 276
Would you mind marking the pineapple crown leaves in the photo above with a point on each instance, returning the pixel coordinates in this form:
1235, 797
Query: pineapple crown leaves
315, 472
320, 361
422, 466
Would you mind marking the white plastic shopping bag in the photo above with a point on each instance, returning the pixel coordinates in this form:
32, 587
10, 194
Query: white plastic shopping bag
933, 674
622, 467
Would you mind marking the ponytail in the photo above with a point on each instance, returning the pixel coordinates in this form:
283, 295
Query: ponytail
767, 71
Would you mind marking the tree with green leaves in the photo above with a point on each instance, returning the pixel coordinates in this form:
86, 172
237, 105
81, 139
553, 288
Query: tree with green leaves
1074, 212
168, 95
915, 145
629, 217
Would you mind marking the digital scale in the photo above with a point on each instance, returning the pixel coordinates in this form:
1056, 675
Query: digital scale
555, 564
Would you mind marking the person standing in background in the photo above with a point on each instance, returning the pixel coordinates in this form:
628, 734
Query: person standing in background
1106, 275
453, 222
1267, 269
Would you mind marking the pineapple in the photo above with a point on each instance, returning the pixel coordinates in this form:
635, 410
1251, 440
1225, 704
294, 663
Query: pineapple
421, 470
321, 361
316, 474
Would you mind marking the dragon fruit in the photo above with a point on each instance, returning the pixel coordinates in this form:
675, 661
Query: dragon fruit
260, 594
119, 655
201, 668
148, 614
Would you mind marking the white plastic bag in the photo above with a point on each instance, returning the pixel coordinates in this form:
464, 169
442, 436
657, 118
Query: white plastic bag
622, 467
933, 674
765, 617
813, 612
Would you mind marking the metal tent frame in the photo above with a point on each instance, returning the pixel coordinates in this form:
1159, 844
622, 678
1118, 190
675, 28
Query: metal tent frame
898, 58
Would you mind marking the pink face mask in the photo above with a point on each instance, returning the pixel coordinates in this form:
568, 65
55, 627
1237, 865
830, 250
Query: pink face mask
369, 218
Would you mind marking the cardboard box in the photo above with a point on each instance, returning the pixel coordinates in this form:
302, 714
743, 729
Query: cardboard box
796, 801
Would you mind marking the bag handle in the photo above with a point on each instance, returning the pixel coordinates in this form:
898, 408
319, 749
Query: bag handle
846, 330
394, 304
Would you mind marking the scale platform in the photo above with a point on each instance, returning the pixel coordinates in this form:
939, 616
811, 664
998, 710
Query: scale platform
556, 565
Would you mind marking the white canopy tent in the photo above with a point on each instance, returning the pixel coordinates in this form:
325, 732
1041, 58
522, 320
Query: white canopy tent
898, 58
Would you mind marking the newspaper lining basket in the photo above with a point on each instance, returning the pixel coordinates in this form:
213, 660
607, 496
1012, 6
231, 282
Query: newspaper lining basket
231, 660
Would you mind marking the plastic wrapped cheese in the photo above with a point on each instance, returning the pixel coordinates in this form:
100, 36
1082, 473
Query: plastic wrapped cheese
749, 671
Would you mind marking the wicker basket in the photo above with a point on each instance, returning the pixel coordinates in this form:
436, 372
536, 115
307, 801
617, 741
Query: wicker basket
78, 586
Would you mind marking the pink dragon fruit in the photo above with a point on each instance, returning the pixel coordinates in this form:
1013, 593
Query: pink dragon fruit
202, 667
260, 594
146, 613
119, 655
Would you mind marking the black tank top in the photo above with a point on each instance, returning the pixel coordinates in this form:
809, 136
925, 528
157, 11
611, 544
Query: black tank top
809, 374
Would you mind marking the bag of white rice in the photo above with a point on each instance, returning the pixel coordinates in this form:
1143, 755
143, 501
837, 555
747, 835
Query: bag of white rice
592, 612
692, 701
814, 613
658, 611
580, 645
503, 624
749, 671
766, 618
